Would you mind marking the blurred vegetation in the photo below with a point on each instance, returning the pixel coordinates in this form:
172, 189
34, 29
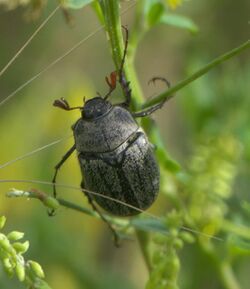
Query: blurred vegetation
204, 203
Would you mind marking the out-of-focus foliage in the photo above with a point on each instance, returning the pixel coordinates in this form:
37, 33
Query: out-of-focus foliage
11, 255
202, 228
76, 4
157, 13
173, 3
34, 7
12, 4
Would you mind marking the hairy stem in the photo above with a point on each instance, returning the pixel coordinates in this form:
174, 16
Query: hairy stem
110, 9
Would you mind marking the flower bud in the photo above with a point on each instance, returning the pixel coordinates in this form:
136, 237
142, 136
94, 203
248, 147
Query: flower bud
15, 235
21, 247
37, 268
20, 272
2, 221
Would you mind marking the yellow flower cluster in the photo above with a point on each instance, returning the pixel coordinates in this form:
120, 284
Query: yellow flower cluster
173, 4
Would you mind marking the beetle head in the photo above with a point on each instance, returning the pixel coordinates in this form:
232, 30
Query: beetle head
95, 107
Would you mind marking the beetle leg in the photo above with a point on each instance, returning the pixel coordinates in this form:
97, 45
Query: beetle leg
122, 79
148, 111
91, 202
58, 166
155, 78
153, 108
127, 91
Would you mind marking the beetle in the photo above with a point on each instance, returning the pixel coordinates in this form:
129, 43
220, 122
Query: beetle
114, 153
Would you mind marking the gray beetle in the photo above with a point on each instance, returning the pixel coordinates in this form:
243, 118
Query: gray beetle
114, 154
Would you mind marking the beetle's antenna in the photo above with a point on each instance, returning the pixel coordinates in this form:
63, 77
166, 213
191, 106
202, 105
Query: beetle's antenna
63, 104
111, 81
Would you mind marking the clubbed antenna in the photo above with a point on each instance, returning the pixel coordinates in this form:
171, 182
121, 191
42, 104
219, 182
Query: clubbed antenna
63, 104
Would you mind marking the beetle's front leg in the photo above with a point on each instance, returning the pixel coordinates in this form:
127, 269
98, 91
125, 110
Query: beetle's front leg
58, 166
91, 202
122, 79
120, 76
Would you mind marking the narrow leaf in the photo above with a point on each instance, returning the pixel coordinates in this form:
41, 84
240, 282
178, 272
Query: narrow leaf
179, 21
149, 224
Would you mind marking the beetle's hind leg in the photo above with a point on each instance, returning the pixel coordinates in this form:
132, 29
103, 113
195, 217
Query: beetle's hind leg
91, 202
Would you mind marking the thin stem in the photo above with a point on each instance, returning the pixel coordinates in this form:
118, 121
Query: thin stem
53, 63
77, 45
28, 41
227, 276
170, 93
143, 239
43, 197
236, 229
223, 267
33, 152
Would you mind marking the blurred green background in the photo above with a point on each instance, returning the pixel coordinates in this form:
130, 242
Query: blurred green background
76, 251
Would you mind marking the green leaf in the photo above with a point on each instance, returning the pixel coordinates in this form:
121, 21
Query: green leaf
179, 21
246, 207
239, 246
97, 8
41, 284
149, 225
77, 4
162, 155
155, 13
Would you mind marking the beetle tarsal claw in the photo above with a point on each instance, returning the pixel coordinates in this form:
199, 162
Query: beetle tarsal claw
159, 78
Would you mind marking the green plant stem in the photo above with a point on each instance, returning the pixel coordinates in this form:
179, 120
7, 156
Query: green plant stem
170, 93
143, 239
111, 13
227, 276
110, 9
241, 231
40, 195
223, 267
